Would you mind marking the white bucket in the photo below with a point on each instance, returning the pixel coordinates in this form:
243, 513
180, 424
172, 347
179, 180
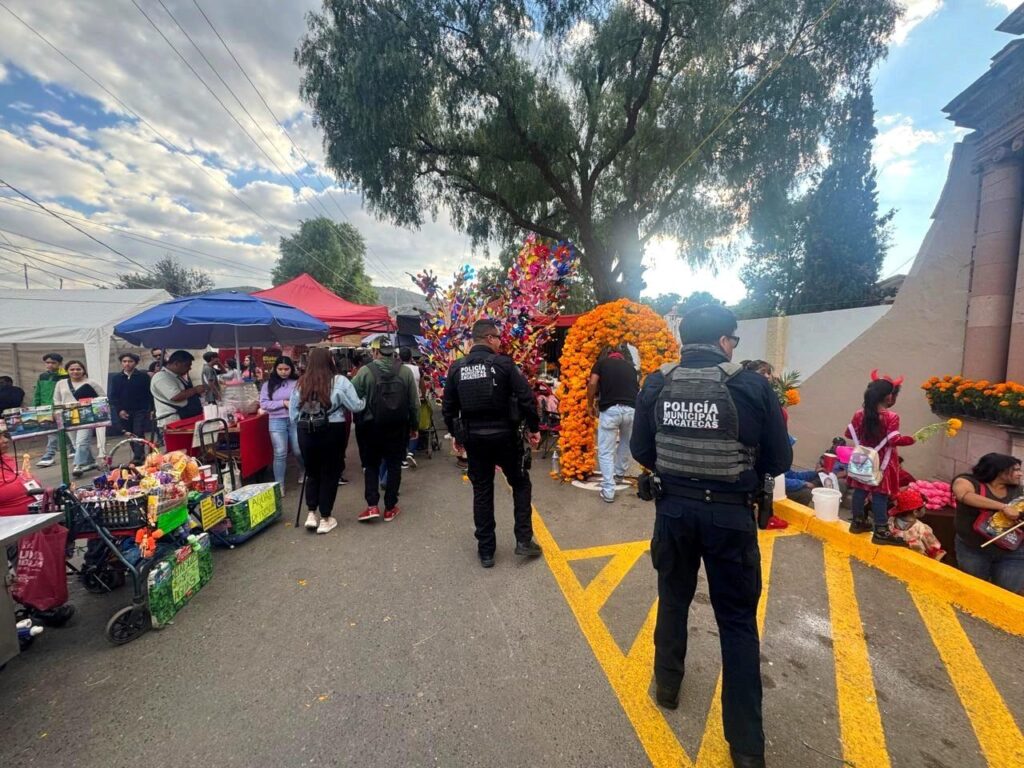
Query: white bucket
211, 411
826, 503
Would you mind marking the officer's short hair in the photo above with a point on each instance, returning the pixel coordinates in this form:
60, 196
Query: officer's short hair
484, 328
707, 324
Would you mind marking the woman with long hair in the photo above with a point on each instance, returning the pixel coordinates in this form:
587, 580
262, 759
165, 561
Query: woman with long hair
275, 397
992, 483
877, 426
78, 386
317, 408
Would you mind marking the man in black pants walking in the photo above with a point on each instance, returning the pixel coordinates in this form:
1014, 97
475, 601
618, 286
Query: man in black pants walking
485, 398
712, 431
384, 429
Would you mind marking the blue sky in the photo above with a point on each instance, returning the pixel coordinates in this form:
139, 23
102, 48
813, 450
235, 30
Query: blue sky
205, 193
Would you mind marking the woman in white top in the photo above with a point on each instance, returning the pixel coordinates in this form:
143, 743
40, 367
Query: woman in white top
78, 386
317, 407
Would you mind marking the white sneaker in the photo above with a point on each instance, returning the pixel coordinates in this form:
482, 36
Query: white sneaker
312, 520
411, 460
327, 524
45, 462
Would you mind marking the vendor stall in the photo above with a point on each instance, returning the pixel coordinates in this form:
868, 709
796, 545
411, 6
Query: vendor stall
343, 317
248, 441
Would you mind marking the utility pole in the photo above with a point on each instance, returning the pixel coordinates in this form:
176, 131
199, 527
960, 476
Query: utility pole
61, 283
26, 274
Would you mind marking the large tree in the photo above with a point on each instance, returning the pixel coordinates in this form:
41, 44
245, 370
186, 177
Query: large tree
606, 122
825, 249
332, 254
170, 275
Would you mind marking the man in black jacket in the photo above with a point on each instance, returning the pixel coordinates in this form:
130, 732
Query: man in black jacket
711, 431
486, 397
131, 400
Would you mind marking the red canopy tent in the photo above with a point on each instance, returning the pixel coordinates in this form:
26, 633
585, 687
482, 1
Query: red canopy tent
342, 316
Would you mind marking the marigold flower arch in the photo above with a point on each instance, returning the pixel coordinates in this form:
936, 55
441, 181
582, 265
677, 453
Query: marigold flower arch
612, 323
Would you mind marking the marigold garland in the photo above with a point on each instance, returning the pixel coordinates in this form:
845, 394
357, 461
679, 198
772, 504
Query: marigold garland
612, 323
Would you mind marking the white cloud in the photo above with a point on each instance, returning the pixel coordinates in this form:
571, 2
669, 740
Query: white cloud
1010, 5
134, 180
666, 272
915, 12
899, 140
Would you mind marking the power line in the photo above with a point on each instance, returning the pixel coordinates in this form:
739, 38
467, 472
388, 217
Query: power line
76, 228
168, 141
298, 189
94, 277
224, 106
386, 271
124, 232
45, 271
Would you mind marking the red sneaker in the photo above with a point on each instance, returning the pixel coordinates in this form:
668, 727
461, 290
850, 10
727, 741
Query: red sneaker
368, 514
391, 514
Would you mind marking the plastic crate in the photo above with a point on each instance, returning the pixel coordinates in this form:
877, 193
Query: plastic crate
255, 507
176, 579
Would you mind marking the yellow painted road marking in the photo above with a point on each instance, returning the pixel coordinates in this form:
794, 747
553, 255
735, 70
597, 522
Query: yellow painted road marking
605, 550
600, 589
860, 723
661, 745
714, 751
1000, 738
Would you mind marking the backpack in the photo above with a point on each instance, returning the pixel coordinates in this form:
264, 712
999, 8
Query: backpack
389, 404
866, 465
313, 417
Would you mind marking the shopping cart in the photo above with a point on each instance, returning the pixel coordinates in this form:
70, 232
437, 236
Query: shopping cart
112, 524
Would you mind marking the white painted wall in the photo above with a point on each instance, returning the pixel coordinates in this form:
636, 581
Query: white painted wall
815, 339
753, 339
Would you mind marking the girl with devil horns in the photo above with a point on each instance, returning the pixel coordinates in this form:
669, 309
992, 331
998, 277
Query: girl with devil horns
877, 426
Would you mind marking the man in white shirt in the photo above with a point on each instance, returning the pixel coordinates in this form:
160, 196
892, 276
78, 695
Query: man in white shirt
174, 397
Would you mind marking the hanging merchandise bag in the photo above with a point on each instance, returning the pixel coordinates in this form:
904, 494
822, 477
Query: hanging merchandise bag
40, 581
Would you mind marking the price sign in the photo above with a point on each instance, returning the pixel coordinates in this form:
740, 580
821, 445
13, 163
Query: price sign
185, 578
212, 510
262, 506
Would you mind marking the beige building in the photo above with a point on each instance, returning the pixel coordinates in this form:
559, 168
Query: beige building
961, 308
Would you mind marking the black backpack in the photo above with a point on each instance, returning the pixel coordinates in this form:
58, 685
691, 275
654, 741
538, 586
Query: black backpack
390, 402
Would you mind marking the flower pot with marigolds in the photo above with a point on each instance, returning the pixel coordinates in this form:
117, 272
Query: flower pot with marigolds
613, 323
1000, 403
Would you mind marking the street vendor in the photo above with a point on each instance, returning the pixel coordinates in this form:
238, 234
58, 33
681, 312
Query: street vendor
174, 395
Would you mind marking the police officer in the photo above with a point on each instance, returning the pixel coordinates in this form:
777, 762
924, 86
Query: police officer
711, 431
485, 398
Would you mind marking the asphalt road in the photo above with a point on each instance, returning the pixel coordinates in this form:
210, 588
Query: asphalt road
387, 645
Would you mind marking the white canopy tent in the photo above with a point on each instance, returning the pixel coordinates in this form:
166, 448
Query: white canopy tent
85, 317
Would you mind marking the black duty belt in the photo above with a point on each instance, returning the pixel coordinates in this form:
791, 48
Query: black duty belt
712, 497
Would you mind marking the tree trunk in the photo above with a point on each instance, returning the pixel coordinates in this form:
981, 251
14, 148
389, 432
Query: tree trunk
599, 255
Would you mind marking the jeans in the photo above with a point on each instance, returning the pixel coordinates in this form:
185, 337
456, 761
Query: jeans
879, 506
83, 447
321, 456
998, 566
379, 445
283, 433
52, 444
616, 423
137, 424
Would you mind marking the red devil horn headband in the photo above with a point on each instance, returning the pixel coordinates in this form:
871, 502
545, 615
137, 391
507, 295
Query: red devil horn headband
895, 382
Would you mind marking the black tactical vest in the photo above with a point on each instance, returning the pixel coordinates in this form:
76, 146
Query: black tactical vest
698, 427
480, 397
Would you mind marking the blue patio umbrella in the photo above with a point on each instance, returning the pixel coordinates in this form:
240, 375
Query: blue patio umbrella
221, 320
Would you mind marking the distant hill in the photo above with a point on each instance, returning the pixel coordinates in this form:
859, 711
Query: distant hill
404, 299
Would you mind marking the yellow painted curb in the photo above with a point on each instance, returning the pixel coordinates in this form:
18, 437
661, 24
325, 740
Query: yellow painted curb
995, 605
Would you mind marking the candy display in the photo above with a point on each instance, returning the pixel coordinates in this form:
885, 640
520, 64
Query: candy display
936, 494
25, 422
178, 577
525, 306
252, 508
86, 413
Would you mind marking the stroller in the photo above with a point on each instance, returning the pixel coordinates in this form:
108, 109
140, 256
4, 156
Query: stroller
550, 418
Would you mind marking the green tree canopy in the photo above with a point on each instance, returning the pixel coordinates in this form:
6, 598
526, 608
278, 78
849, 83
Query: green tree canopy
825, 249
330, 253
604, 122
170, 275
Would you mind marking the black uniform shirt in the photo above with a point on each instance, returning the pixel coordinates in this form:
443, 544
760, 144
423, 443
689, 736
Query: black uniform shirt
508, 378
617, 382
760, 424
